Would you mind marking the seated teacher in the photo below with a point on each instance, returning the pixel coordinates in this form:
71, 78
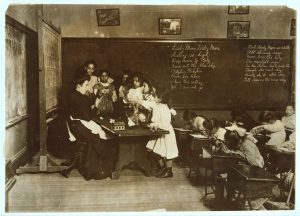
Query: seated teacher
101, 153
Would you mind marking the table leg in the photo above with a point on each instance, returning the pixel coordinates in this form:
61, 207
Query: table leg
133, 156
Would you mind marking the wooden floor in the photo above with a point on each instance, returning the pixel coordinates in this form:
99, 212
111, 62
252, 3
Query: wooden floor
132, 192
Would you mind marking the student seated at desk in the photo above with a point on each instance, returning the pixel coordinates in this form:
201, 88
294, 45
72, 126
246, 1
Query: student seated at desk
195, 122
243, 119
271, 126
214, 131
238, 142
290, 144
289, 120
101, 150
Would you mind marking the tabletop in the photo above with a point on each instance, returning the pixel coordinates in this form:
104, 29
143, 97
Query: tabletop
253, 173
135, 131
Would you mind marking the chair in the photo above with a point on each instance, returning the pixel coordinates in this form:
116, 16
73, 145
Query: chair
79, 150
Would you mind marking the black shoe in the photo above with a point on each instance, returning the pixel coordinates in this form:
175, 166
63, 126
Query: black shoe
167, 174
160, 172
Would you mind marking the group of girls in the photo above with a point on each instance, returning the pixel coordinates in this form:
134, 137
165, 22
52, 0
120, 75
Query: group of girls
137, 101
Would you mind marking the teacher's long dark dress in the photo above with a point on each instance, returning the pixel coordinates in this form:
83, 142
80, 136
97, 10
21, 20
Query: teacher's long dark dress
100, 154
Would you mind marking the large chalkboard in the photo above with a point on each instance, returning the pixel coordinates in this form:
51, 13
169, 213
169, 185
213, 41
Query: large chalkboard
15, 68
52, 61
204, 74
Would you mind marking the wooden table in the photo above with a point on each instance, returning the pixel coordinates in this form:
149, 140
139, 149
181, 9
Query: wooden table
132, 151
253, 182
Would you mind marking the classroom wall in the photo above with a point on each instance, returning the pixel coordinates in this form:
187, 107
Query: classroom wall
17, 140
25, 14
198, 21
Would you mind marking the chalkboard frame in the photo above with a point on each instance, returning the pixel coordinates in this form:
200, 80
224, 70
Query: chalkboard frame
31, 71
66, 40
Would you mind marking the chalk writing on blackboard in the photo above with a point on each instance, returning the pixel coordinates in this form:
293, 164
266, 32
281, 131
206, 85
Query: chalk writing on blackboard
15, 68
265, 63
188, 62
53, 75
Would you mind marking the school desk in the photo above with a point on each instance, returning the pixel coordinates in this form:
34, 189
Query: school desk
284, 159
182, 138
132, 150
252, 182
217, 162
196, 143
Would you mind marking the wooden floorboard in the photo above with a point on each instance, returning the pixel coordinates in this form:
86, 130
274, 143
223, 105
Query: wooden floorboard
132, 192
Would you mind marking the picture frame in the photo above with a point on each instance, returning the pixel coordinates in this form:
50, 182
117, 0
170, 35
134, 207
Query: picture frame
293, 27
108, 17
238, 29
170, 26
238, 9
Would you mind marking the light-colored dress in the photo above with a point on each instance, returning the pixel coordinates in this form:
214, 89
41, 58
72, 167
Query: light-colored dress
289, 121
277, 132
220, 134
92, 82
135, 94
198, 124
165, 145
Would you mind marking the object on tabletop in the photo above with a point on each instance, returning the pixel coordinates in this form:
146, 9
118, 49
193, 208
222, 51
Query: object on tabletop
118, 126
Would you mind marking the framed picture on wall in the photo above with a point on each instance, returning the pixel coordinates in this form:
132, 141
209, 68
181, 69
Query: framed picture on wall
293, 27
238, 9
108, 17
169, 26
238, 29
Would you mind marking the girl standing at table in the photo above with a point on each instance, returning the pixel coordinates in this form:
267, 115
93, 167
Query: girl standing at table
106, 93
136, 92
164, 146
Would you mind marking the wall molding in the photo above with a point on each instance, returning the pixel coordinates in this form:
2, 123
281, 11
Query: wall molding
20, 158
